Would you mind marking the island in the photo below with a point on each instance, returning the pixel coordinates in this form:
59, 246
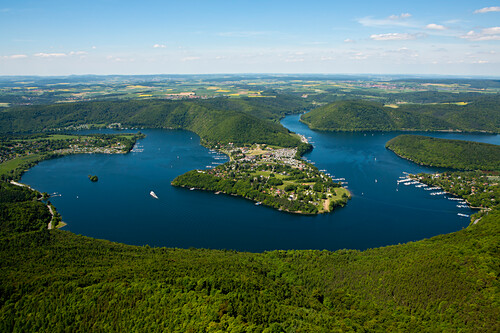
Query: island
93, 178
273, 176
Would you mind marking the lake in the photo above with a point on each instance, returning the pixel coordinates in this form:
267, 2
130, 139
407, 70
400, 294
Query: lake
119, 207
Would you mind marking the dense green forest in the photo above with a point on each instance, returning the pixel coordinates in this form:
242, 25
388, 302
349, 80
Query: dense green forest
56, 281
452, 154
215, 121
21, 210
481, 114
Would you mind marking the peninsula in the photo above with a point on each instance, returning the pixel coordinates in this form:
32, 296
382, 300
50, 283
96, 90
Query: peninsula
273, 176
476, 180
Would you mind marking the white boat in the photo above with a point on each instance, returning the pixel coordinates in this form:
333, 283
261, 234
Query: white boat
153, 194
464, 215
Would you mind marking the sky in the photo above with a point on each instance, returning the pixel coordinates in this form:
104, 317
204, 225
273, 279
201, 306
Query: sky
55, 37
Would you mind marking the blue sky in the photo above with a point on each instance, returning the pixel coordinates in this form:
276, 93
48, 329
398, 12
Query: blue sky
49, 37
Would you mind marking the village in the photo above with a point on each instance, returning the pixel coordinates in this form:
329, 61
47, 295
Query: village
272, 176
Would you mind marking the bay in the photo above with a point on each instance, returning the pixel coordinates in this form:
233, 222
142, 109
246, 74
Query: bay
119, 207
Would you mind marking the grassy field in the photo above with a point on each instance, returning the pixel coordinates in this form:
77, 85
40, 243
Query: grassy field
11, 165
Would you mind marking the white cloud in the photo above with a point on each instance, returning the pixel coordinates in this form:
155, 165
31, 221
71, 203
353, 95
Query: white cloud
50, 55
94, 47
487, 10
16, 56
359, 56
485, 34
400, 16
491, 31
348, 40
393, 20
77, 53
433, 26
395, 36
161, 46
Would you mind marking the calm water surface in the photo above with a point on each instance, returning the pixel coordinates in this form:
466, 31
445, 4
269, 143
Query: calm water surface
119, 207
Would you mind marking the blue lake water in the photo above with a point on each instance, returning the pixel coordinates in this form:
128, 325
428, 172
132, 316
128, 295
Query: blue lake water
119, 207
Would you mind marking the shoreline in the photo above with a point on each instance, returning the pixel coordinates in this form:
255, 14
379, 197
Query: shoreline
246, 198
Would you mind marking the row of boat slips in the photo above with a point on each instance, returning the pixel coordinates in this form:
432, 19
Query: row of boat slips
406, 180
217, 156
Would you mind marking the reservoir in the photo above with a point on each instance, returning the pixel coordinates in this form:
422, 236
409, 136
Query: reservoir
119, 206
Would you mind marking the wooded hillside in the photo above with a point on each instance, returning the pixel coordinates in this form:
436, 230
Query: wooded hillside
57, 281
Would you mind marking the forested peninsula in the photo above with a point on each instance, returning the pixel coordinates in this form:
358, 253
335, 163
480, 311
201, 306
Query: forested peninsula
278, 178
445, 153
480, 115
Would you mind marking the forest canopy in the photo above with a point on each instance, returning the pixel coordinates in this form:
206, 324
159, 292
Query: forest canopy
481, 114
54, 280
444, 153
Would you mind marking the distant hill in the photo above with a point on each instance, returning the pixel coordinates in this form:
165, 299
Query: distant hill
452, 154
349, 116
482, 114
211, 121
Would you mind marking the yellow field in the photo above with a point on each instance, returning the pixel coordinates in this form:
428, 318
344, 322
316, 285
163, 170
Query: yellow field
136, 87
440, 85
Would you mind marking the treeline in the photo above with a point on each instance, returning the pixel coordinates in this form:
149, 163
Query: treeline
57, 281
482, 114
213, 122
21, 211
444, 153
274, 107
